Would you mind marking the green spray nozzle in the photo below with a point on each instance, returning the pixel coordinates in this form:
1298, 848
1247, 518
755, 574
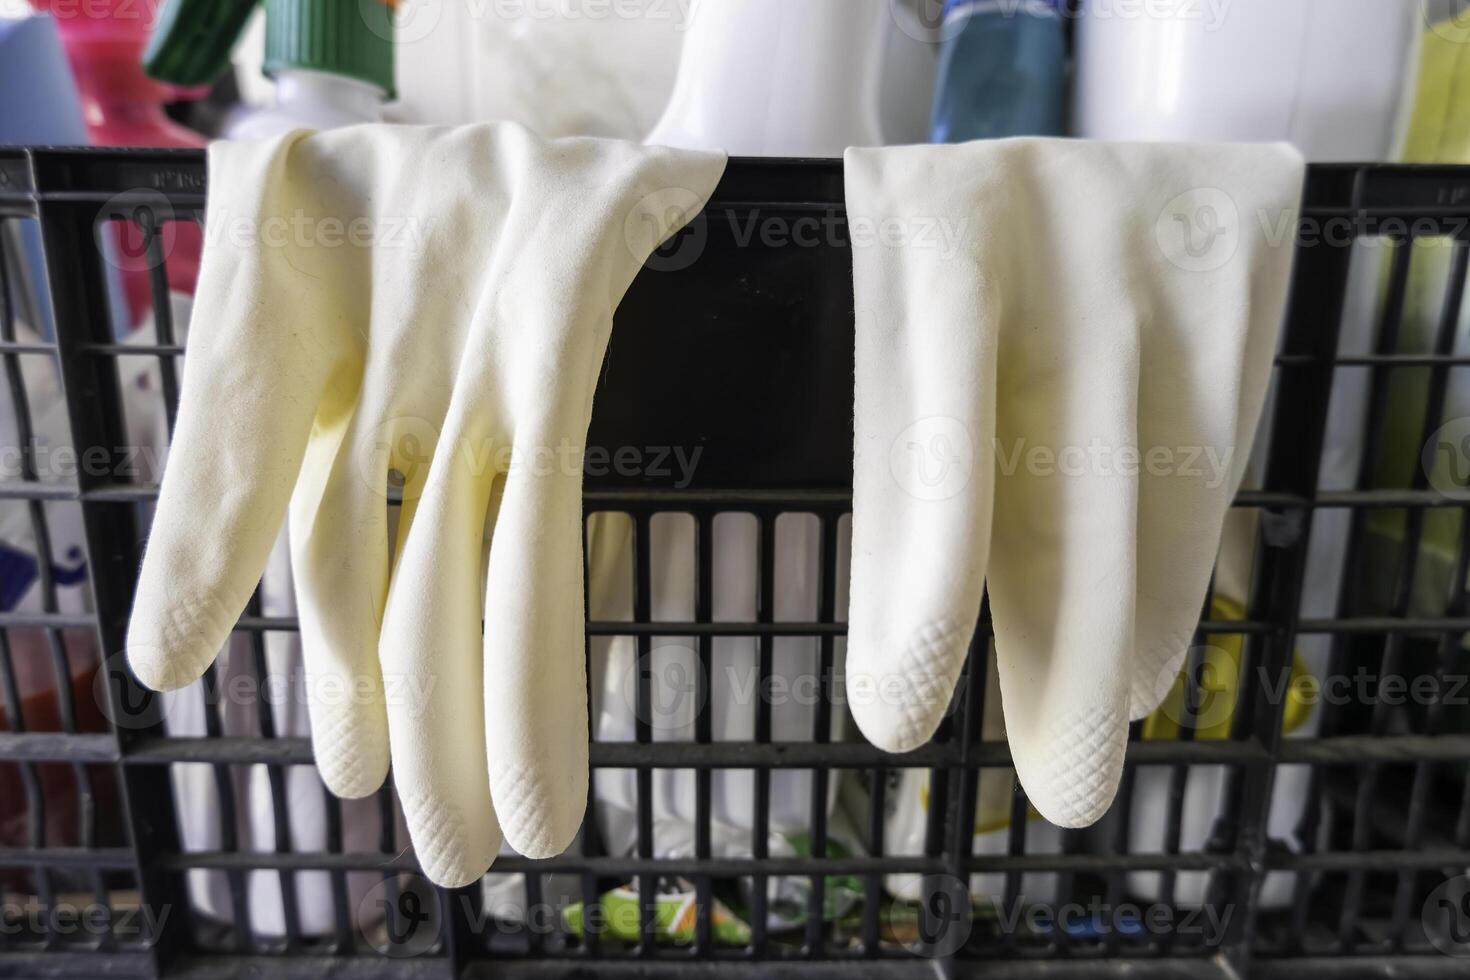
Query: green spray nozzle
192, 39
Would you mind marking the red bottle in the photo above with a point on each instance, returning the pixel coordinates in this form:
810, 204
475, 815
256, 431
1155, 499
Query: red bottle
121, 106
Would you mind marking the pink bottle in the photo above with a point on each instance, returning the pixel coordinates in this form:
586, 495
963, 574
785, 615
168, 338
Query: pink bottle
121, 106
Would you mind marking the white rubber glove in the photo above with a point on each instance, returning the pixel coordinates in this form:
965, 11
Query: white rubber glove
434, 302
1072, 340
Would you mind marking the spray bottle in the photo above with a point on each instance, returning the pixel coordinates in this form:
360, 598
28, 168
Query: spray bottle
332, 63
120, 105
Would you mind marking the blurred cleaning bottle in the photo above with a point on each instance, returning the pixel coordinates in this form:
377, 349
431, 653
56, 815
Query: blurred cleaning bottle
591, 75
776, 78
332, 63
756, 78
39, 106
1328, 76
1325, 75
1002, 71
123, 107
1438, 132
1001, 74
906, 819
43, 572
120, 105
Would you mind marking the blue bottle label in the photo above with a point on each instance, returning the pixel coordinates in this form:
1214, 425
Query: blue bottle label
18, 570
1002, 8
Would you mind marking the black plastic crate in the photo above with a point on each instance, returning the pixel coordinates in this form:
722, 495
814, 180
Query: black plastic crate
740, 345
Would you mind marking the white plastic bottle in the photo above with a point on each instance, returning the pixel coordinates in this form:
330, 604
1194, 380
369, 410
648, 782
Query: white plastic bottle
1326, 75
795, 78
777, 78
1332, 78
308, 99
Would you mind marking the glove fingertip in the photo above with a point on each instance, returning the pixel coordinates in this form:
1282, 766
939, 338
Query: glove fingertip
352, 767
1069, 816
171, 641
899, 708
1071, 773
161, 666
540, 813
454, 849
889, 727
452, 871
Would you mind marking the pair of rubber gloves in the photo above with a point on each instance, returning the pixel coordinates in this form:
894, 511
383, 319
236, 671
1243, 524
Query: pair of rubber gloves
417, 313
1063, 350
436, 304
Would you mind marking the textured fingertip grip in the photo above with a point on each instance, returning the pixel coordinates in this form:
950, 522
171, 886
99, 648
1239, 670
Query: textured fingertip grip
542, 810
452, 851
898, 707
171, 642
352, 756
1071, 770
